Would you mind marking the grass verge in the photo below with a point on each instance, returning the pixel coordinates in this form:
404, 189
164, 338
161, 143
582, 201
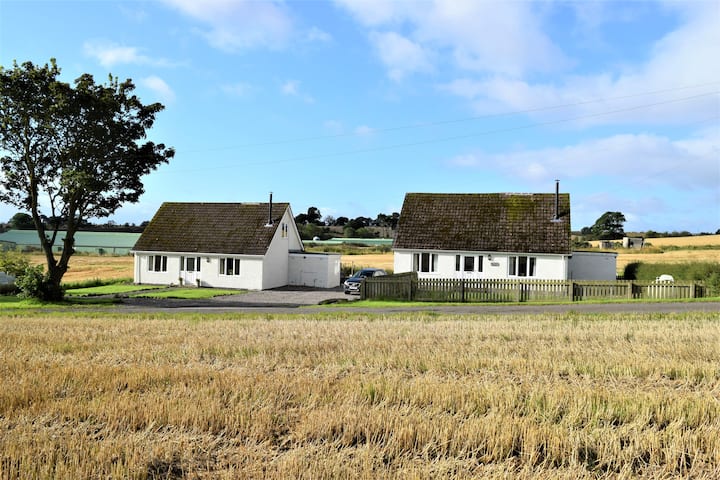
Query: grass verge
189, 293
112, 289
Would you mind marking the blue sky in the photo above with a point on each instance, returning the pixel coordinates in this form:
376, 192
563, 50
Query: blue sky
347, 105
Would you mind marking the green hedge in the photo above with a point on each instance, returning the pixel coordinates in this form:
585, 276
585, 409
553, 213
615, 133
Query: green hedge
705, 272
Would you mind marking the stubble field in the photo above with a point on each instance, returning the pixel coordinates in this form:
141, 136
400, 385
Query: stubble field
342, 396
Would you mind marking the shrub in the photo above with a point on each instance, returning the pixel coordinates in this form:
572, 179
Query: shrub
13, 262
34, 283
706, 272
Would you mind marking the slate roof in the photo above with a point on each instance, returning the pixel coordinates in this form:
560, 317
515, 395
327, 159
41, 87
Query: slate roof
231, 228
484, 222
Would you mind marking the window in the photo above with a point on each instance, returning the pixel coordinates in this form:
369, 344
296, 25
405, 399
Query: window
229, 266
424, 262
469, 264
157, 263
521, 266
193, 264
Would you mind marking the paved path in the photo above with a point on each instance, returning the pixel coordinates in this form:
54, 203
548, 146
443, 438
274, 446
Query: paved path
289, 300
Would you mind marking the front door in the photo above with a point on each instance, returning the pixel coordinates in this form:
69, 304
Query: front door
190, 270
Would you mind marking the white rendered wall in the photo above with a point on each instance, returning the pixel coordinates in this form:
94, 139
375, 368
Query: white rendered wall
593, 266
495, 265
314, 270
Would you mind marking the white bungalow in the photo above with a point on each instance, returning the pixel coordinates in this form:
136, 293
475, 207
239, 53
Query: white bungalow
493, 236
253, 246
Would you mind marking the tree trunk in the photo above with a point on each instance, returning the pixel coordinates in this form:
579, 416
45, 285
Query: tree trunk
53, 291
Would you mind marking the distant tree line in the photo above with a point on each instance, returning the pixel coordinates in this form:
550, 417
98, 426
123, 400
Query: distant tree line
610, 227
311, 225
23, 221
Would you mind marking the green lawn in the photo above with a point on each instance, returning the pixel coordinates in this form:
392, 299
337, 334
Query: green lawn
189, 293
111, 289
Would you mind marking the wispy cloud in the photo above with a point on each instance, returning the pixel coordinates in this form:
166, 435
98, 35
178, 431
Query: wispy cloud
690, 163
678, 67
314, 34
160, 87
237, 25
474, 35
292, 88
400, 55
109, 54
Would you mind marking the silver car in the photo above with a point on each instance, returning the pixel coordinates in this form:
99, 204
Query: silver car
352, 284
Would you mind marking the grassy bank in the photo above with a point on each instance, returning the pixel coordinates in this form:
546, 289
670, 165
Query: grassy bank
339, 395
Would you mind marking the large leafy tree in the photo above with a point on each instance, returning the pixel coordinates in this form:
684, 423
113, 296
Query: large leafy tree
71, 152
609, 226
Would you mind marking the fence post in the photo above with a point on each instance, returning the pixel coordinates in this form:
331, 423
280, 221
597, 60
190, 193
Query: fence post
630, 290
462, 290
518, 294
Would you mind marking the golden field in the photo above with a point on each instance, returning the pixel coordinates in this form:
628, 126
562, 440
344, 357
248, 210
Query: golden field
375, 260
88, 267
416, 396
694, 241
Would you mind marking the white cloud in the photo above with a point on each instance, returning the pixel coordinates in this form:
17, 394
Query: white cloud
495, 37
632, 159
109, 54
236, 25
317, 35
680, 59
400, 55
292, 88
376, 12
160, 87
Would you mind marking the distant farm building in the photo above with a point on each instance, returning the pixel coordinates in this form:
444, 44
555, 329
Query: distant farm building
102, 243
633, 242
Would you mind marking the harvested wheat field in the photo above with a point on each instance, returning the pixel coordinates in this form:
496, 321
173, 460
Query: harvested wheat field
88, 267
694, 241
339, 396
671, 256
375, 260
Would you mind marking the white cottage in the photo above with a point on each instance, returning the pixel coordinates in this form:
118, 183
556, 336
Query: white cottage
493, 236
253, 246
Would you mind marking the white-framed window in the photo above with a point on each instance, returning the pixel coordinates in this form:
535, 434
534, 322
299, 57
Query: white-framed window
521, 266
157, 263
425, 262
229, 266
467, 263
190, 264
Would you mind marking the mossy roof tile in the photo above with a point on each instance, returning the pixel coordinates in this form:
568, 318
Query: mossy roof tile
485, 222
225, 228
